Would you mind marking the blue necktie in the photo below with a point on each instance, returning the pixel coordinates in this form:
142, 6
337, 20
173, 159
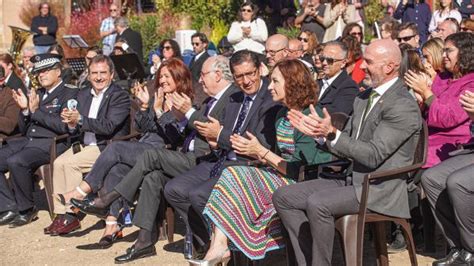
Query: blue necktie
215, 171
193, 133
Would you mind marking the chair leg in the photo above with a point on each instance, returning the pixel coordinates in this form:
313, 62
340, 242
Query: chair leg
348, 234
45, 171
170, 224
410, 243
380, 243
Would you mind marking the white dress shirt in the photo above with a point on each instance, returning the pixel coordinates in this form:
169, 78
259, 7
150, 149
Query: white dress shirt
327, 83
89, 137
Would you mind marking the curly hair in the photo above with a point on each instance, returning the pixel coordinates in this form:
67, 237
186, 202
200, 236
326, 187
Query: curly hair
464, 41
180, 74
354, 49
348, 28
174, 46
300, 87
312, 40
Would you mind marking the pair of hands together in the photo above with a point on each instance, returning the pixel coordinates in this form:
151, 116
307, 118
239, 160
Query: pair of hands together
31, 103
312, 124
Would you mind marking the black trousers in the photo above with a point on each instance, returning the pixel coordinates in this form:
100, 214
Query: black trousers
21, 161
449, 187
308, 211
151, 171
188, 194
114, 162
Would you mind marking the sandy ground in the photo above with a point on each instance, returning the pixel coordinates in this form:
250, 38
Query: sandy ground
29, 246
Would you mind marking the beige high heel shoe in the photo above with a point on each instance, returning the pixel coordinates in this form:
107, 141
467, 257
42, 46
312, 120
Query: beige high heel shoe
219, 261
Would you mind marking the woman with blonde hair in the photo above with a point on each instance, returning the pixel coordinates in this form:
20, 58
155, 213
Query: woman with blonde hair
432, 56
445, 10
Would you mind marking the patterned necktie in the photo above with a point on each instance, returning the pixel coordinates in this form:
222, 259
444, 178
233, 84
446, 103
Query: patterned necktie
372, 95
215, 171
193, 133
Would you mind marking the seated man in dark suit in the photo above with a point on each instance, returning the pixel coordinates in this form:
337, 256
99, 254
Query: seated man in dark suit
102, 113
382, 134
12, 81
251, 109
133, 38
9, 110
155, 167
39, 122
337, 89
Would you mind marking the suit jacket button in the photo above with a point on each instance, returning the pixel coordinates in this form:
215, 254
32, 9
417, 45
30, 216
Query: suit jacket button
33, 130
31, 139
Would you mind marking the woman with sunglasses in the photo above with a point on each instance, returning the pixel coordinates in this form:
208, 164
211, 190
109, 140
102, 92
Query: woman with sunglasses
167, 49
448, 124
446, 10
240, 209
338, 13
310, 42
248, 32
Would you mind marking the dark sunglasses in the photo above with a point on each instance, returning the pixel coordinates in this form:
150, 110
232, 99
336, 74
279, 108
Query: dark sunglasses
246, 10
196, 43
356, 33
329, 60
111, 10
464, 29
405, 39
167, 47
301, 39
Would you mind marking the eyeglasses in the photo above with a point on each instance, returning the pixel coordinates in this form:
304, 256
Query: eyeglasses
356, 33
112, 10
329, 60
301, 39
273, 53
246, 10
242, 76
203, 74
167, 48
463, 29
405, 39
196, 43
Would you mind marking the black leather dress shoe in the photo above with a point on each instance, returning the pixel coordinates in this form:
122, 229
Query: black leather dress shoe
449, 259
87, 207
7, 217
465, 258
133, 254
24, 219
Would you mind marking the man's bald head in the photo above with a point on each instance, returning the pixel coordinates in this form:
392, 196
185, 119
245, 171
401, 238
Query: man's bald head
276, 48
382, 60
295, 49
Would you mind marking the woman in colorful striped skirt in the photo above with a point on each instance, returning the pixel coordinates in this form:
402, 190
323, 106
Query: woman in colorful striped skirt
240, 209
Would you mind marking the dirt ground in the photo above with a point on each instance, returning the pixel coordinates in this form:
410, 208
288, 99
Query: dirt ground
29, 246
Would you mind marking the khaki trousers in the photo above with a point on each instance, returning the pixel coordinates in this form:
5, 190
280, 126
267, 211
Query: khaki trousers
68, 171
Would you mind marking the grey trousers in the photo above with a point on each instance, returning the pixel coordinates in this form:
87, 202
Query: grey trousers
449, 187
308, 211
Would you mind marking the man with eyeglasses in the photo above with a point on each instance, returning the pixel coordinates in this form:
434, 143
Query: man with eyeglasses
311, 18
446, 28
200, 42
107, 30
408, 33
249, 110
337, 89
39, 122
276, 49
415, 11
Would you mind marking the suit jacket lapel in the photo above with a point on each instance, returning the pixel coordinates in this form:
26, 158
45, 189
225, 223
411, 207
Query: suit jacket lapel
256, 104
222, 101
333, 86
106, 96
53, 95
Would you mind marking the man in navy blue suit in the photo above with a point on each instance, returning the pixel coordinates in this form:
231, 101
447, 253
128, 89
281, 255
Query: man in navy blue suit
39, 122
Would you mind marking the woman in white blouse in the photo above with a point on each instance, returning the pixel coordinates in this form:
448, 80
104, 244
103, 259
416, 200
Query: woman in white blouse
445, 10
249, 32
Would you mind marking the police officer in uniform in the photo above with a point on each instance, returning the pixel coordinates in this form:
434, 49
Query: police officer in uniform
39, 121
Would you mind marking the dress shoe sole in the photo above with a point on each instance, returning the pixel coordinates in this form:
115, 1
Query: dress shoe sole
138, 257
62, 234
13, 225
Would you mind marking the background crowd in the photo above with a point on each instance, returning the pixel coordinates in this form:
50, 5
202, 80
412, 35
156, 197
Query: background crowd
223, 134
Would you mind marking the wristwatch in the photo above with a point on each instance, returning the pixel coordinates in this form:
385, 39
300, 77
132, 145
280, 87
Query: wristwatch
332, 135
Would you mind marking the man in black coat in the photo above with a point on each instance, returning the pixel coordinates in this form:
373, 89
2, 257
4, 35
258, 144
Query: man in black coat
102, 113
39, 122
133, 38
251, 109
337, 90
12, 81
200, 43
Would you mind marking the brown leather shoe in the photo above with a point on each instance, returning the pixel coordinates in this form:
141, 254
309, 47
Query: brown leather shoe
54, 224
65, 227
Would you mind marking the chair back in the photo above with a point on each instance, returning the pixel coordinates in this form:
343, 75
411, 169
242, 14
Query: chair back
421, 151
339, 120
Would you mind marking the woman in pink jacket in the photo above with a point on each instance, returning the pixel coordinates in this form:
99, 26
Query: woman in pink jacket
448, 124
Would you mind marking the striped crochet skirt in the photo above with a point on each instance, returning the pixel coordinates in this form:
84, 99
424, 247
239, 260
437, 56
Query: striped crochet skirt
241, 206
